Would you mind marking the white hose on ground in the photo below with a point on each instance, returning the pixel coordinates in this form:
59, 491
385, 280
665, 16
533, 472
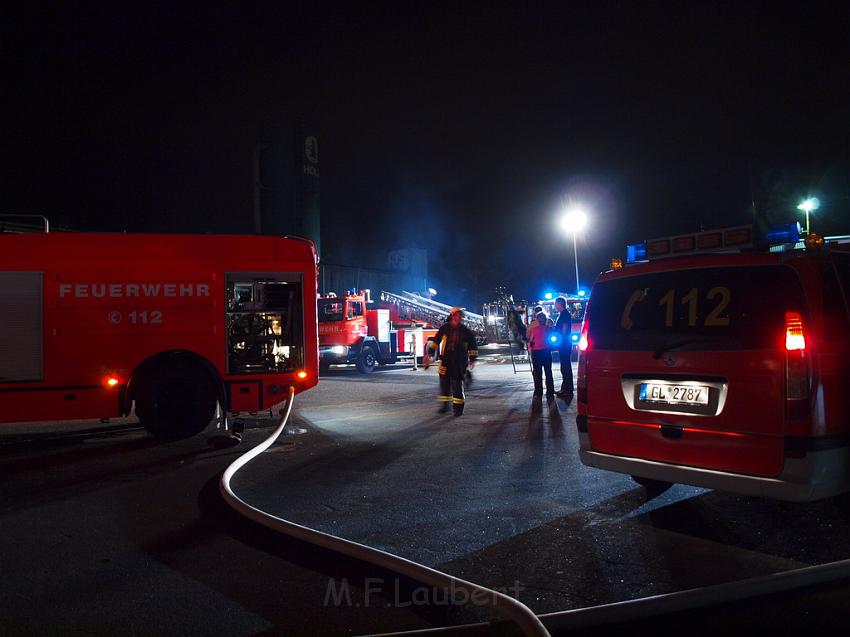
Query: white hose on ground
599, 617
505, 605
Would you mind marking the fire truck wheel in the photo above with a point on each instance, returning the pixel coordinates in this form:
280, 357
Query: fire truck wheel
367, 360
177, 400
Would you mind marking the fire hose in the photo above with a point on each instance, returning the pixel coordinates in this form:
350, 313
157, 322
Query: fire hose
508, 607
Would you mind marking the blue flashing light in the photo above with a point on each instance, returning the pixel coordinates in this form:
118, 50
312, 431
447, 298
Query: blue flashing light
582, 293
636, 252
548, 296
574, 338
784, 233
554, 340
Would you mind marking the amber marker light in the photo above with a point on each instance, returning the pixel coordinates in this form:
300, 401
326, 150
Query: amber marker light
111, 381
302, 374
814, 241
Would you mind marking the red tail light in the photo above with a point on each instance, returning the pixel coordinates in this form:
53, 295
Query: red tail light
794, 337
583, 343
796, 367
581, 379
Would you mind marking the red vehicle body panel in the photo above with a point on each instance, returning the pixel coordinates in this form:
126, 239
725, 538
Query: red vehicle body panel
345, 332
751, 411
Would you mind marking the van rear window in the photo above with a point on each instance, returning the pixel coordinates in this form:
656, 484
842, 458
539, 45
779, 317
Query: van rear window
699, 309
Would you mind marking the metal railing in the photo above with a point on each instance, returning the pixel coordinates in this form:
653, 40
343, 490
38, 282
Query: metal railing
24, 227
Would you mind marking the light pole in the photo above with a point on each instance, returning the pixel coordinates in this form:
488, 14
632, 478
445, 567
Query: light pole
807, 206
573, 222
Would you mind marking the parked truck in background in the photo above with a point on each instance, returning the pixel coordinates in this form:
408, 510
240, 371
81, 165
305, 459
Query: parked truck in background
357, 330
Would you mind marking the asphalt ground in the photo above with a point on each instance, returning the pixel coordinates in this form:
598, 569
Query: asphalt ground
115, 533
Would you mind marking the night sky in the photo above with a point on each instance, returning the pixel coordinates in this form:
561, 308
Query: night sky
460, 130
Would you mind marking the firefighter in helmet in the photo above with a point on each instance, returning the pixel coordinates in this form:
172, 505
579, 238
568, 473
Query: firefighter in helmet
456, 349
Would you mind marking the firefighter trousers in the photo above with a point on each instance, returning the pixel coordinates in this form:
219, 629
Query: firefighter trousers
451, 388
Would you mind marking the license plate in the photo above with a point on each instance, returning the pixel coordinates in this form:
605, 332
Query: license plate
672, 394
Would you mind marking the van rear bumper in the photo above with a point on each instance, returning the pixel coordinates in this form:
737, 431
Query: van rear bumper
816, 475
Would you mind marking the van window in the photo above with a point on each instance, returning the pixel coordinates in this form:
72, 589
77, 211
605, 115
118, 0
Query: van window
835, 324
697, 309
842, 265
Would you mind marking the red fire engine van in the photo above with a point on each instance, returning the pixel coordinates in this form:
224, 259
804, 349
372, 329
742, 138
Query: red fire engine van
92, 323
726, 371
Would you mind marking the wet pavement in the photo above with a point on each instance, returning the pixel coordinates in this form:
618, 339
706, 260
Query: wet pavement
121, 534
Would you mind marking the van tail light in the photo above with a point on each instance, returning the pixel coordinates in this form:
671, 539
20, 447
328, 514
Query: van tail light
583, 343
796, 367
794, 337
581, 380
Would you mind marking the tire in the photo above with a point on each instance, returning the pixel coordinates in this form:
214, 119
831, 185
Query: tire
367, 360
652, 485
175, 400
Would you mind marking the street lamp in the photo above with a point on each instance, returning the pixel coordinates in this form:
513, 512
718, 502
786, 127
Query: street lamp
573, 222
807, 206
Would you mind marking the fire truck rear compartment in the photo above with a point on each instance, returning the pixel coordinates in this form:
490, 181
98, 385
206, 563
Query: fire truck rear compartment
264, 323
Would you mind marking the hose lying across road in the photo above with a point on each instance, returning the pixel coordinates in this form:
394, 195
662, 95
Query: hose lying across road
508, 607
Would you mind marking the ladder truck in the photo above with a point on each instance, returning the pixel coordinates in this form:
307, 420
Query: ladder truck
354, 330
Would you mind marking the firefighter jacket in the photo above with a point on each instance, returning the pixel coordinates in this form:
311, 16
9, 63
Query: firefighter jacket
456, 346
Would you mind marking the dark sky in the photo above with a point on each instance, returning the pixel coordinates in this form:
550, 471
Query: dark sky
462, 130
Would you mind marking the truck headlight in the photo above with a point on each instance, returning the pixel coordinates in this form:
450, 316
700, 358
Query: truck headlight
338, 349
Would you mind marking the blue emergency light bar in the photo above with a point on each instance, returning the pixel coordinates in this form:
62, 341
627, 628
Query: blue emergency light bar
785, 233
636, 252
725, 239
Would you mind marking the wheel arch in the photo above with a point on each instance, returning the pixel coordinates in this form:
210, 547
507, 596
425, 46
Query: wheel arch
180, 355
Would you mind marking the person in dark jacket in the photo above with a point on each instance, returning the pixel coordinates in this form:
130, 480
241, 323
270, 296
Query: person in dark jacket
456, 348
563, 328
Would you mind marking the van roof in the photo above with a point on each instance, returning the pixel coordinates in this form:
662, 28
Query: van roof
713, 260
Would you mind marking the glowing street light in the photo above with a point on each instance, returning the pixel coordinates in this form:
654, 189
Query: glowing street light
573, 222
807, 206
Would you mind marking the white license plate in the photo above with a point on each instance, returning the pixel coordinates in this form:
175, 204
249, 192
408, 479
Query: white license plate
672, 394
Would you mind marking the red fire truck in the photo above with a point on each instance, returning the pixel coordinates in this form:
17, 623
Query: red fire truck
91, 324
351, 332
